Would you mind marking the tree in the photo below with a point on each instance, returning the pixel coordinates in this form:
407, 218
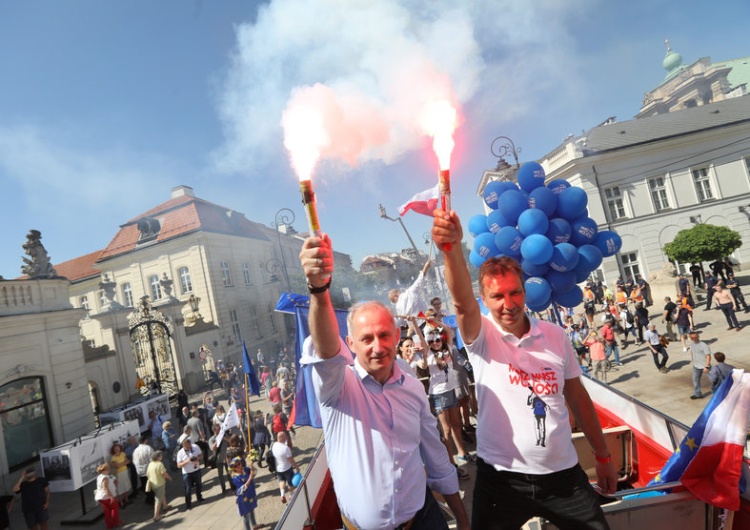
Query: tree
703, 242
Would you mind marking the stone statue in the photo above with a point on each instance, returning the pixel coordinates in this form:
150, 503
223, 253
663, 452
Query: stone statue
39, 265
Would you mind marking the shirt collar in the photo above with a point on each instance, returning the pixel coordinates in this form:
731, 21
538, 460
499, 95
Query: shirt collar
397, 375
507, 335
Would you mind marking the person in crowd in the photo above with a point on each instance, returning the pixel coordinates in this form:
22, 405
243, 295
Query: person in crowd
141, 459
198, 430
279, 422
285, 464
437, 305
265, 381
577, 339
35, 497
589, 304
710, 287
701, 360
621, 297
640, 318
655, 345
668, 317
261, 436
376, 417
627, 325
130, 445
684, 322
235, 449
728, 306
522, 473
189, 461
595, 344
6, 506
683, 286
156, 426
274, 395
645, 288
610, 342
119, 464
106, 495
157, 477
733, 285
717, 267
287, 397
409, 302
719, 371
696, 271
242, 480
169, 441
219, 455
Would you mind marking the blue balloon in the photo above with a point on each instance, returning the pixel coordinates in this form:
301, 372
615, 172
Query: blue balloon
296, 479
564, 257
584, 231
496, 220
492, 192
537, 249
559, 230
589, 258
540, 307
561, 282
538, 291
530, 176
608, 242
569, 298
534, 270
475, 259
571, 203
533, 221
512, 204
581, 274
484, 244
478, 225
557, 186
508, 240
543, 199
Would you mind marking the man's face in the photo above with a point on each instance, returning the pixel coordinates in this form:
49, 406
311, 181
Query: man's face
393, 296
374, 340
694, 337
504, 296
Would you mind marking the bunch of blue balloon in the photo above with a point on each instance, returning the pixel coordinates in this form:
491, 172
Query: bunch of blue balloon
548, 230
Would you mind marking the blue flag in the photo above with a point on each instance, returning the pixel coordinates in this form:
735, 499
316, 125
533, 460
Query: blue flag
252, 377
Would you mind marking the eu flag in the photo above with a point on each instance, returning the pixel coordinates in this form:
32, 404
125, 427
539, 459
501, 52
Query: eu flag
252, 377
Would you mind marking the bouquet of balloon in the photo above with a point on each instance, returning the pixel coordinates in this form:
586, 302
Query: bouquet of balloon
548, 230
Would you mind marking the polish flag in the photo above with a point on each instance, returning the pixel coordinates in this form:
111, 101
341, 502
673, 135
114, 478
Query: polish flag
424, 202
714, 471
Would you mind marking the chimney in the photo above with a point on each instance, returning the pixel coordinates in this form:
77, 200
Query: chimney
181, 191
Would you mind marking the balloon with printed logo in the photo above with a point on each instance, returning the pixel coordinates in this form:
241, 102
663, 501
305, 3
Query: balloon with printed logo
531, 269
561, 282
538, 291
608, 242
570, 298
537, 249
557, 186
478, 224
496, 220
508, 241
589, 258
584, 231
494, 189
533, 221
530, 176
475, 259
512, 203
544, 199
571, 203
564, 257
484, 244
559, 231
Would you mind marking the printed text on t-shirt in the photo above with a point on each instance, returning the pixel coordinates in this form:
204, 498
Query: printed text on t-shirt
542, 383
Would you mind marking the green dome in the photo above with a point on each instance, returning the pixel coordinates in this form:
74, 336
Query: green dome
672, 61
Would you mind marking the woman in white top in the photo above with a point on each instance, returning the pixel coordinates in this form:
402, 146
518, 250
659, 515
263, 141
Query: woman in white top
106, 495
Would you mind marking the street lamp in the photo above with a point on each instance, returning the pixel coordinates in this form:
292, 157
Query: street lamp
285, 217
384, 215
501, 147
272, 267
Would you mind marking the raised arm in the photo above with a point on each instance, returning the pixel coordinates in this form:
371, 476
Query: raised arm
446, 228
316, 258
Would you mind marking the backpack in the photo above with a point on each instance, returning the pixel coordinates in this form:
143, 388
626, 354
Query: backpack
271, 461
629, 317
279, 423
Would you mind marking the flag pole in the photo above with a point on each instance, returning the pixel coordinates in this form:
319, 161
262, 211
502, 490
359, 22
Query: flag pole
247, 412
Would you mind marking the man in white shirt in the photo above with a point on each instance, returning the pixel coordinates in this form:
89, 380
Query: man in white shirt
141, 459
285, 464
701, 355
189, 461
409, 302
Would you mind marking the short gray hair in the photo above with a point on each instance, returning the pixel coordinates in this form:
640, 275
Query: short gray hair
361, 306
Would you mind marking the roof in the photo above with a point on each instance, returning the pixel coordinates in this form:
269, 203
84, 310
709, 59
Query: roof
740, 72
653, 128
180, 216
79, 268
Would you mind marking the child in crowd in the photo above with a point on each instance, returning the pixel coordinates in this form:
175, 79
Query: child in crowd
242, 480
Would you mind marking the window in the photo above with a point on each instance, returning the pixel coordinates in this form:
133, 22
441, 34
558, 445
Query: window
83, 301
234, 319
102, 298
614, 201
702, 184
271, 319
254, 321
658, 188
186, 285
26, 426
226, 273
246, 273
153, 281
630, 264
127, 294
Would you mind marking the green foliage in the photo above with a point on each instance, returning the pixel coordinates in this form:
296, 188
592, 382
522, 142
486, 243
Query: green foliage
703, 242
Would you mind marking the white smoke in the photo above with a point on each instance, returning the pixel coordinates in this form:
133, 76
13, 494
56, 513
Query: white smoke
380, 60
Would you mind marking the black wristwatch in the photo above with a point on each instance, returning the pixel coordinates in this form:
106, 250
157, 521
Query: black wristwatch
321, 289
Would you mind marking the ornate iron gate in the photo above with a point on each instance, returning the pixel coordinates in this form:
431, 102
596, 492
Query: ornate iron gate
150, 337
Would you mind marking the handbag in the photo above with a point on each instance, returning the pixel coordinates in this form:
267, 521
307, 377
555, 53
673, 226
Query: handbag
663, 341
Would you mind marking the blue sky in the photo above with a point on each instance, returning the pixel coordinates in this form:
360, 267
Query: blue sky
105, 106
